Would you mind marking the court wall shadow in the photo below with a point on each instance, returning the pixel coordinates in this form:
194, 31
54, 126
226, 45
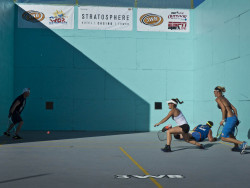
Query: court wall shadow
85, 97
39, 136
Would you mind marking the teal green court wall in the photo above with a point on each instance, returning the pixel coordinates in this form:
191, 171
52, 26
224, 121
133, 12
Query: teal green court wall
102, 80
6, 59
109, 80
222, 57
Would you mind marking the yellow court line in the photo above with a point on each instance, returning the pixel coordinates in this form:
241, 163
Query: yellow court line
226, 144
140, 167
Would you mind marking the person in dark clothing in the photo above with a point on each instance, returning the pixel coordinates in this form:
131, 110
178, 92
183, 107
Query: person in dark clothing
15, 113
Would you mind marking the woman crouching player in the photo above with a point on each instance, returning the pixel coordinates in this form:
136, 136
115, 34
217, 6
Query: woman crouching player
181, 128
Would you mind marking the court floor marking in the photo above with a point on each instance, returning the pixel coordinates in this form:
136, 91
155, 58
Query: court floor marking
226, 144
140, 167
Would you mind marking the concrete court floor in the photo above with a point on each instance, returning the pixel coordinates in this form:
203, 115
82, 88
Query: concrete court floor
94, 159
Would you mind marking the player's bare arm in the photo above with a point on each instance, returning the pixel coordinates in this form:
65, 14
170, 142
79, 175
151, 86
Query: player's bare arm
165, 119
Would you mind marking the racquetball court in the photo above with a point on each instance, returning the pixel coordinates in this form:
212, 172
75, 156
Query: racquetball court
124, 93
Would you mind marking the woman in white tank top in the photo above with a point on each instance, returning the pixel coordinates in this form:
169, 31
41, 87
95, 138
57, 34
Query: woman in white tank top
181, 128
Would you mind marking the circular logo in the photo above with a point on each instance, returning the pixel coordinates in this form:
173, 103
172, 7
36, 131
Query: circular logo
33, 16
151, 19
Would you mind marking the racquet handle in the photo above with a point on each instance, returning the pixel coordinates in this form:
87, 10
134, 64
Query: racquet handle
166, 128
169, 126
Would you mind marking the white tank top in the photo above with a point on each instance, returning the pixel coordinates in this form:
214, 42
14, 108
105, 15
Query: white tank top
180, 119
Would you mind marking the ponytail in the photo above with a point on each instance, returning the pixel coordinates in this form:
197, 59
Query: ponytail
178, 101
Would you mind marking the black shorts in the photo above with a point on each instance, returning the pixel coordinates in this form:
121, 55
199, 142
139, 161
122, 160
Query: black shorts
185, 128
16, 118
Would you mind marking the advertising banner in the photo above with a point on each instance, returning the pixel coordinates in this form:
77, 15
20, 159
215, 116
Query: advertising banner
46, 16
105, 18
164, 20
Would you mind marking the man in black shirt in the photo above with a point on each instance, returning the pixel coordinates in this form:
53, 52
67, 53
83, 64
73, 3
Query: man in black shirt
15, 111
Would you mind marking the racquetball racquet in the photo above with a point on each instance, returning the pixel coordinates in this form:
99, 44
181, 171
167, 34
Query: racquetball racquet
235, 131
219, 131
236, 128
162, 135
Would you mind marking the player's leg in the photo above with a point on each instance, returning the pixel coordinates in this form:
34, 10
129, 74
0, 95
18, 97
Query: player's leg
12, 122
187, 139
185, 130
228, 131
231, 140
196, 136
9, 129
20, 123
178, 136
236, 146
19, 127
174, 130
243, 144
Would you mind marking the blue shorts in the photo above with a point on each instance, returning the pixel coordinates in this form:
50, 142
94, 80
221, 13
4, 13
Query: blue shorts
229, 127
197, 136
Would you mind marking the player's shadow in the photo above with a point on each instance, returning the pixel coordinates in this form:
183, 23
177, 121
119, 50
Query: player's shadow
207, 146
183, 148
248, 135
188, 148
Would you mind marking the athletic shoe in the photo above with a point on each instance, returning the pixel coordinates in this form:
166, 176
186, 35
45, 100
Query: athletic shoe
17, 137
235, 149
201, 146
6, 134
166, 149
243, 147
